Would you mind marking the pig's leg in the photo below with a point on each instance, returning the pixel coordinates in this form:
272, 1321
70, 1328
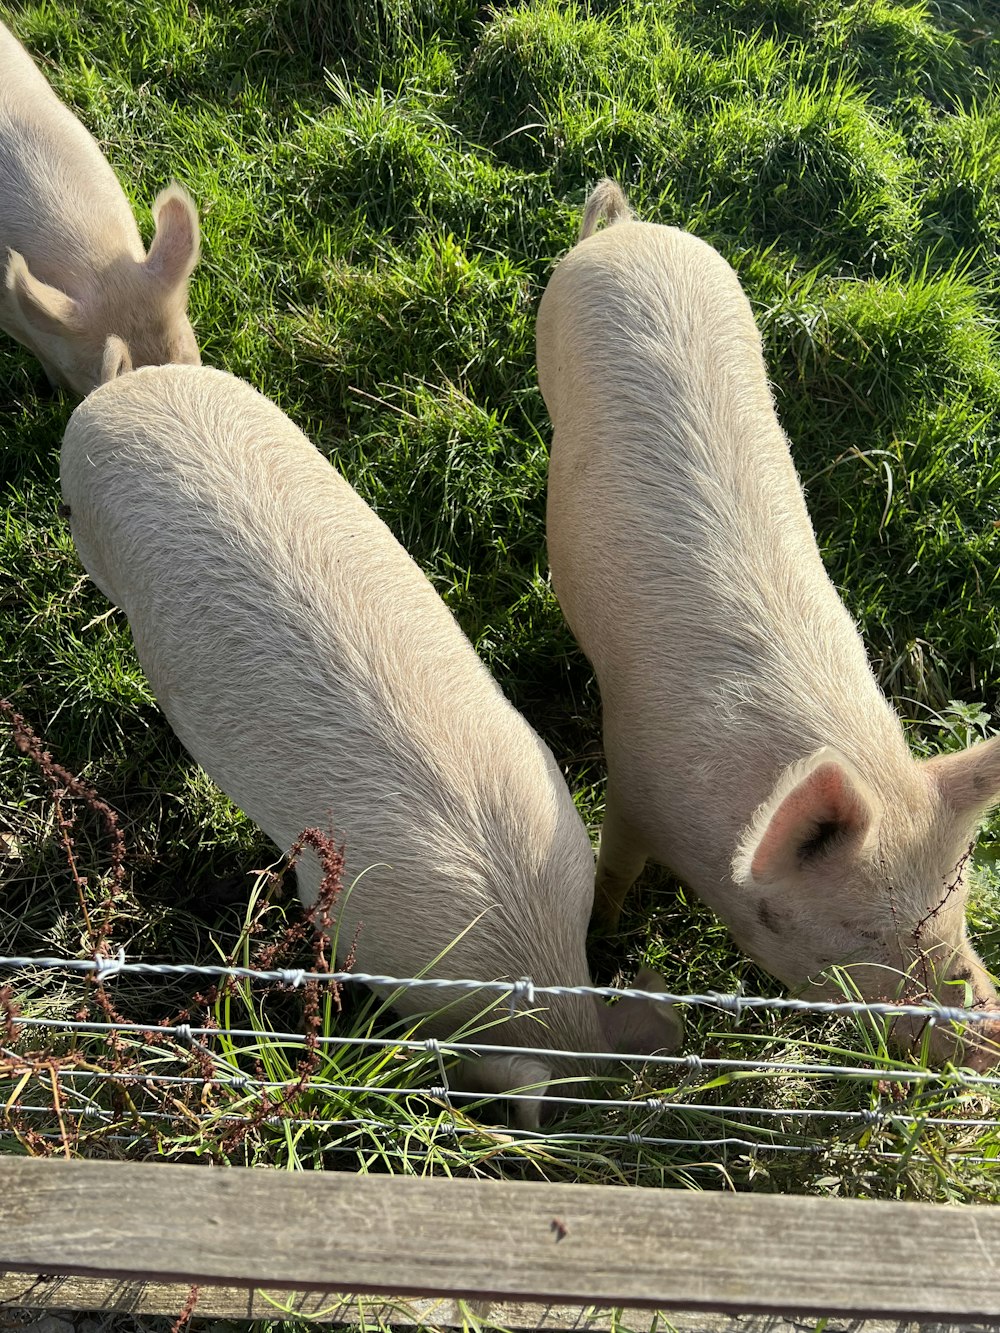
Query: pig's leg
619, 864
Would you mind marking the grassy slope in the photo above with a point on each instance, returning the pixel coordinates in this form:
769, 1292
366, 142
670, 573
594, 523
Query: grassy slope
385, 185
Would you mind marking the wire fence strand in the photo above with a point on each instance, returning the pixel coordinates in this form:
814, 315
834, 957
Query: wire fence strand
103, 969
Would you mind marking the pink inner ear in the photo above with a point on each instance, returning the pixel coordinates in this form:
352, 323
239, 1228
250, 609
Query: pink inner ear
824, 796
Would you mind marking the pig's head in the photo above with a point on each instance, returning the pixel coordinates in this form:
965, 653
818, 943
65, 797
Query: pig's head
829, 872
133, 313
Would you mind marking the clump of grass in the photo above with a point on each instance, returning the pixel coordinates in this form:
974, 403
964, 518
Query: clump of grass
893, 49
814, 168
541, 75
438, 313
893, 424
961, 209
372, 31
390, 160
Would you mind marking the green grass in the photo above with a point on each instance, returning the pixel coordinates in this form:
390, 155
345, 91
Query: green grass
384, 187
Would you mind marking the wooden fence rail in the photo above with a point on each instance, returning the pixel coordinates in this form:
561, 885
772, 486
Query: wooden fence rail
494, 1241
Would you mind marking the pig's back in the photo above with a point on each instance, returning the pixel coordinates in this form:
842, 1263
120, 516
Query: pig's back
681, 549
306, 662
61, 205
664, 427
671, 481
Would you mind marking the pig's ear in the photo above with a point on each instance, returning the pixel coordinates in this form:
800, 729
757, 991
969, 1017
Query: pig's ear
820, 809
174, 249
968, 781
46, 308
115, 359
642, 1027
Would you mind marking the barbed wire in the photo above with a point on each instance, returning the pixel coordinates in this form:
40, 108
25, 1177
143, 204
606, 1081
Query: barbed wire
444, 1130
651, 1105
550, 1140
696, 1065
524, 989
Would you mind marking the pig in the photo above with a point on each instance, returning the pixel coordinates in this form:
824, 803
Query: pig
78, 288
309, 666
749, 748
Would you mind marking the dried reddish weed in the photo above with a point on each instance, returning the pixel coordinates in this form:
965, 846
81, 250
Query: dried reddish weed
133, 1099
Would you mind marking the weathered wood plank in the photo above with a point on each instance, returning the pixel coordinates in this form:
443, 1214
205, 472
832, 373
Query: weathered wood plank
21, 1296
107, 1295
499, 1241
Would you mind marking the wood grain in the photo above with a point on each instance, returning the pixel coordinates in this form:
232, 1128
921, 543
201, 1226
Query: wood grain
499, 1241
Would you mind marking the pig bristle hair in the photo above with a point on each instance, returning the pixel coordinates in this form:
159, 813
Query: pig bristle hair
606, 200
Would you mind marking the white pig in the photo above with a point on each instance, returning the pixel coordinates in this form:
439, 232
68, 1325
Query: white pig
749, 748
308, 665
78, 288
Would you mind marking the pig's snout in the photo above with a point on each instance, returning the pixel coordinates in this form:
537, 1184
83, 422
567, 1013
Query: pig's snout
982, 1046
976, 1045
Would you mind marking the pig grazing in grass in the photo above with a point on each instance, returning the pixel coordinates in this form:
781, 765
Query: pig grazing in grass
748, 745
77, 287
307, 663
